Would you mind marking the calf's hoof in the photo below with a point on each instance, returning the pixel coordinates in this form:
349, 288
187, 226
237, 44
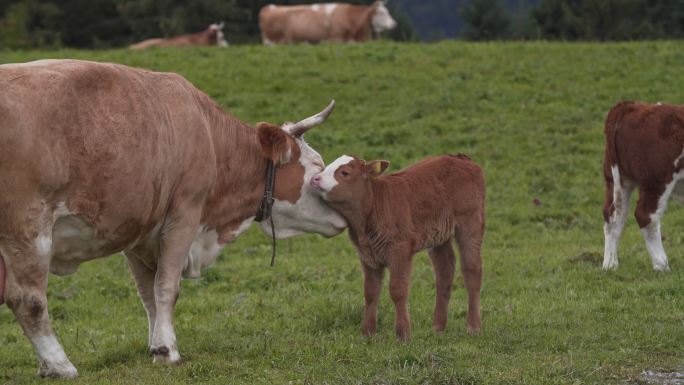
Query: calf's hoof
163, 354
474, 330
439, 328
403, 335
57, 370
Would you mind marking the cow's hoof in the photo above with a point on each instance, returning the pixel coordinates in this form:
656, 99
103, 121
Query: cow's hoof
57, 370
610, 266
665, 268
165, 355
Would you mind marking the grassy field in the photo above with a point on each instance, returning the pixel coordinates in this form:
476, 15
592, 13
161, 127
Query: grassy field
530, 113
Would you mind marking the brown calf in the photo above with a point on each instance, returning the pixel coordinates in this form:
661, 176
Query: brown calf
393, 217
644, 150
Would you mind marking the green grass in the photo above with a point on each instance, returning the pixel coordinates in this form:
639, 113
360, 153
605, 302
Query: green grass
530, 113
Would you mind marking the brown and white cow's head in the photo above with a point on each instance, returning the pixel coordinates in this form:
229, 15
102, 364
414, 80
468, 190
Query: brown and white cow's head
216, 35
381, 19
297, 209
347, 180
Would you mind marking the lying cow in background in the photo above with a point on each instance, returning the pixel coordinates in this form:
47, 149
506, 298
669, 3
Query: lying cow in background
123, 159
315, 23
645, 151
210, 36
393, 217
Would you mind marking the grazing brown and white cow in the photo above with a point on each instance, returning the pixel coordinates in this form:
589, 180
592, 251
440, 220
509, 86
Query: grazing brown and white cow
315, 23
98, 158
210, 36
645, 151
393, 217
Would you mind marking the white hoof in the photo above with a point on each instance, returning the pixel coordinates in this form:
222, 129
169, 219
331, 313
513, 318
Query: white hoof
610, 265
165, 355
57, 370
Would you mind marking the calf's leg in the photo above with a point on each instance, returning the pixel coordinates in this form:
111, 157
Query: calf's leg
400, 277
26, 285
615, 210
443, 264
371, 290
650, 209
469, 238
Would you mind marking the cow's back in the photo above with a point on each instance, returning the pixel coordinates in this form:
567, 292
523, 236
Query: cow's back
108, 142
643, 137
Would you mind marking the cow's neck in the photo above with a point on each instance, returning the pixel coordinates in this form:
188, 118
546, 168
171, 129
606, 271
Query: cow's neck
241, 172
364, 218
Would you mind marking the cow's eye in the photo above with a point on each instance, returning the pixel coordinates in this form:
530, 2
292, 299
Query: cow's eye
344, 173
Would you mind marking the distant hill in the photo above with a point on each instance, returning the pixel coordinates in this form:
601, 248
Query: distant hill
440, 19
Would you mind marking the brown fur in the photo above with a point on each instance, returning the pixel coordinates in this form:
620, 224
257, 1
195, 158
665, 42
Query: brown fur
645, 142
421, 207
300, 23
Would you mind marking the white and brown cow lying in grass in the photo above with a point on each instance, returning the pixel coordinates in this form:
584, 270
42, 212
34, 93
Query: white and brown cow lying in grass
645, 151
98, 158
393, 217
213, 35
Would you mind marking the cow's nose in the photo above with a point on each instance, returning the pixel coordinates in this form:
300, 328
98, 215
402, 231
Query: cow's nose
316, 181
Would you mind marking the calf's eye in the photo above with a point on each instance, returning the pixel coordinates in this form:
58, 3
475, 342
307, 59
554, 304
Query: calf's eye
344, 173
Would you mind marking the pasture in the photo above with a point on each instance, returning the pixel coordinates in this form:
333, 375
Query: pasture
531, 114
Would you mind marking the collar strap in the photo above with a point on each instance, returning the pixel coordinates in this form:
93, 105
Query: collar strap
264, 211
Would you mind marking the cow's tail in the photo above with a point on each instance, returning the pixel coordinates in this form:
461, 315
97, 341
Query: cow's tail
611, 154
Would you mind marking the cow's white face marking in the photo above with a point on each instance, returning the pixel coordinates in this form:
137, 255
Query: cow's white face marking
382, 20
329, 8
52, 357
220, 37
328, 180
309, 214
315, 7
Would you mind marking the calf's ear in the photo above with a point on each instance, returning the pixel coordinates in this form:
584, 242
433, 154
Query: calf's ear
274, 143
376, 167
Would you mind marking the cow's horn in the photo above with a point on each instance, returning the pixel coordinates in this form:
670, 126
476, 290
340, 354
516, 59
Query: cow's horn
299, 128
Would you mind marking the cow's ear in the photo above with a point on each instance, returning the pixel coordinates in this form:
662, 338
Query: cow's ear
275, 144
376, 167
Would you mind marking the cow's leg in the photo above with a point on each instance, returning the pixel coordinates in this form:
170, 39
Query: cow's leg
469, 238
618, 193
371, 289
400, 279
26, 285
650, 209
144, 281
178, 233
443, 264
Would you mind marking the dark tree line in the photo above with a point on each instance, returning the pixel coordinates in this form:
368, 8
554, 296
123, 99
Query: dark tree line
114, 23
602, 20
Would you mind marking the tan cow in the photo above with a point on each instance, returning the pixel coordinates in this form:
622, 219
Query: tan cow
98, 158
644, 151
210, 36
393, 217
315, 23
